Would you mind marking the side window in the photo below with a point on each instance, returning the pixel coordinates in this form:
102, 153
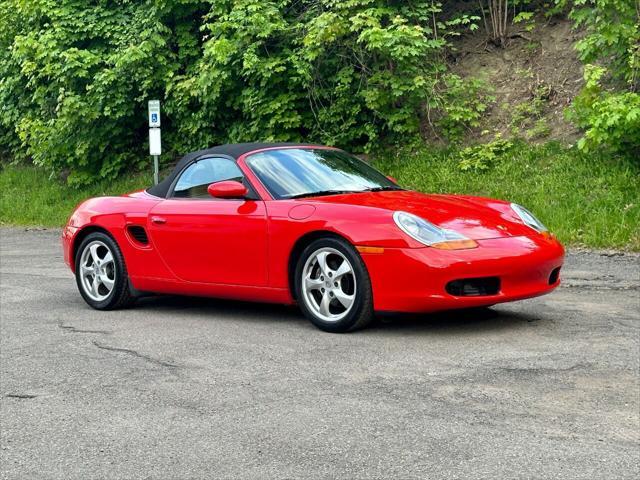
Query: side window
193, 182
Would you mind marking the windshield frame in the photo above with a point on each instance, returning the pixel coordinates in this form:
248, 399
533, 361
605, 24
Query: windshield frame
247, 163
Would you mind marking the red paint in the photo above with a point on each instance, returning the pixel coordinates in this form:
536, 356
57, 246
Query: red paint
212, 241
227, 189
240, 249
301, 212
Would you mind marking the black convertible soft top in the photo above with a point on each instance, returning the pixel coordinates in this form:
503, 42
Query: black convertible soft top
232, 150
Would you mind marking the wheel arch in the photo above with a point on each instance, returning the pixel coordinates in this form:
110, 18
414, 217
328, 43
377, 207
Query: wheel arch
299, 247
84, 233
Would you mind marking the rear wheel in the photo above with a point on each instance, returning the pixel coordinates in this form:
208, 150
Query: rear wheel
333, 286
101, 274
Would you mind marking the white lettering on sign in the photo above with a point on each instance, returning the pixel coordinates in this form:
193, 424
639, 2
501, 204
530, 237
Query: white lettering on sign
154, 113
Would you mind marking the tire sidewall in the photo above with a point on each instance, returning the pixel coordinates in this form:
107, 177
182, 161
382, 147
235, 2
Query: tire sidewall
362, 284
120, 271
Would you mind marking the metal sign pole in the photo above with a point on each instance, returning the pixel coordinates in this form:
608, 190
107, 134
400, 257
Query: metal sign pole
155, 142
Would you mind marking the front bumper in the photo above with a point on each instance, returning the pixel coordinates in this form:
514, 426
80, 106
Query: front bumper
66, 239
414, 280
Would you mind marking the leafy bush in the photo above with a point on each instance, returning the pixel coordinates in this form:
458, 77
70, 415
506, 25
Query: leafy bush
608, 108
612, 35
75, 76
484, 156
344, 73
610, 119
526, 19
464, 102
528, 116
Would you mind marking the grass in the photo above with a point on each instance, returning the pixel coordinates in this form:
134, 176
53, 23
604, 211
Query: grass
31, 198
591, 201
586, 200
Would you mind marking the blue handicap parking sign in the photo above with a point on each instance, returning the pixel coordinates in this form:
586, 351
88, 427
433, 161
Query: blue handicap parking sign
154, 117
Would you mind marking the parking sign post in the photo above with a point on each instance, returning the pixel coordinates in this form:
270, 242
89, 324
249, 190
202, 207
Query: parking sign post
155, 139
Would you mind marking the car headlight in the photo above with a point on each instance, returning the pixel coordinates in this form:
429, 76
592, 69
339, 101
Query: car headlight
529, 218
429, 234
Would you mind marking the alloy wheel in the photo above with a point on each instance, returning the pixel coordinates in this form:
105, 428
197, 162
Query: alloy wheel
328, 284
97, 270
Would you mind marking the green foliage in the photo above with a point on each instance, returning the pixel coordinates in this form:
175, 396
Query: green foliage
31, 197
526, 19
608, 108
586, 199
611, 119
463, 104
75, 76
527, 118
540, 129
480, 158
344, 73
613, 35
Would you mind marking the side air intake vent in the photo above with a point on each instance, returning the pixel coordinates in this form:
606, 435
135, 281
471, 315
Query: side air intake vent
138, 234
474, 287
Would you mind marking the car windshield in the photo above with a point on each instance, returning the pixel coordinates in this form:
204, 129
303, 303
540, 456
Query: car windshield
297, 172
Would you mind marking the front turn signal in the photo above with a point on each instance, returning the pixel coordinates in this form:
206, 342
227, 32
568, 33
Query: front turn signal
455, 244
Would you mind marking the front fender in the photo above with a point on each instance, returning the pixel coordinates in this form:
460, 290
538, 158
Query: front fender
359, 226
113, 215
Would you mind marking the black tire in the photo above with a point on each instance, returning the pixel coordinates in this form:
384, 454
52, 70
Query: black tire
361, 311
120, 295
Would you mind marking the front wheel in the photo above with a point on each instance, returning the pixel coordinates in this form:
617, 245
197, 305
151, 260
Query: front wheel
333, 286
101, 274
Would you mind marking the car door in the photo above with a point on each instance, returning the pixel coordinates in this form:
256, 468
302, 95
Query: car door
210, 240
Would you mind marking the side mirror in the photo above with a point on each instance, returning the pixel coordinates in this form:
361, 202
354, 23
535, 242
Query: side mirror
227, 189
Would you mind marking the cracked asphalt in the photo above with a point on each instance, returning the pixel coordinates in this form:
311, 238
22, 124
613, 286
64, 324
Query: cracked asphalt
200, 388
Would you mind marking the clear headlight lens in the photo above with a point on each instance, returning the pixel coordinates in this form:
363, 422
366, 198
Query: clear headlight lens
529, 218
429, 234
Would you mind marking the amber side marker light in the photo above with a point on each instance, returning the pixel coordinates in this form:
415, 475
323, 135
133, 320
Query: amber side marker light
362, 249
455, 245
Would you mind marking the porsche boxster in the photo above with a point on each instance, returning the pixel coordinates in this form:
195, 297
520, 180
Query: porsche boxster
308, 225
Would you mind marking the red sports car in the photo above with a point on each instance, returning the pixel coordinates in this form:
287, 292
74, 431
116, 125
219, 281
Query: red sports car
306, 224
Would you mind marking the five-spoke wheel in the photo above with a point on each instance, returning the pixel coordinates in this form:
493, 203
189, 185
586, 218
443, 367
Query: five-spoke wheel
329, 285
333, 286
101, 274
97, 270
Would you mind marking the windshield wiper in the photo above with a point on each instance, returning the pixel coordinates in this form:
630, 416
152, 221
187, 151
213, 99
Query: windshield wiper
340, 192
322, 193
382, 189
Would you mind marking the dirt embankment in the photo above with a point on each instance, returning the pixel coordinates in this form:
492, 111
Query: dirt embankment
533, 79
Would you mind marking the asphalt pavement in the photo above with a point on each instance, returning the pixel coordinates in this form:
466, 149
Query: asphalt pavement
179, 388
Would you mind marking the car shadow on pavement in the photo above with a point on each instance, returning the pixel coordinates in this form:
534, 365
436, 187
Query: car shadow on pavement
454, 321
219, 308
448, 322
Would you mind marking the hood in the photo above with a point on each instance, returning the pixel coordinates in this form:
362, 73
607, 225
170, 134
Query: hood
474, 217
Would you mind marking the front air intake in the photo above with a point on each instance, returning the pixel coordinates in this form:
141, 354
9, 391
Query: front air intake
138, 234
474, 287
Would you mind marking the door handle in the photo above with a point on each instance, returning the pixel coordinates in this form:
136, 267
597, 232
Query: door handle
158, 220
